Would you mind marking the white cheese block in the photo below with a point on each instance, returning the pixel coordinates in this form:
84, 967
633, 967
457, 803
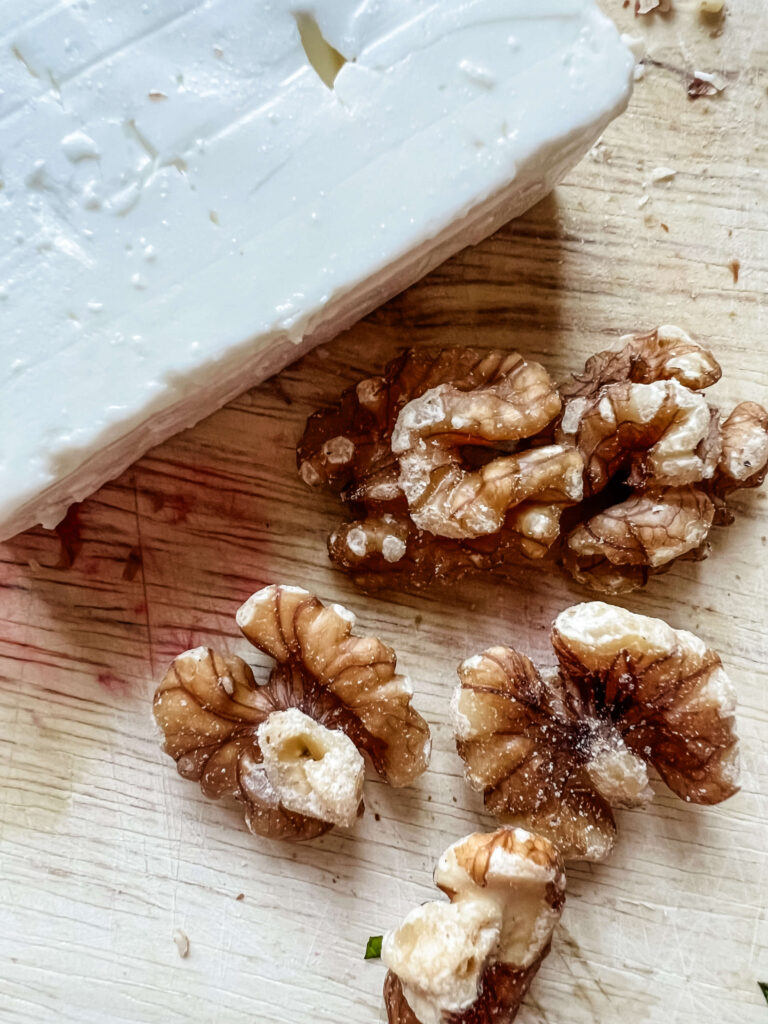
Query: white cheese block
187, 205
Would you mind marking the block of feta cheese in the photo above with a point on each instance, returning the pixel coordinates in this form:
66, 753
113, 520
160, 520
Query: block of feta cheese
195, 192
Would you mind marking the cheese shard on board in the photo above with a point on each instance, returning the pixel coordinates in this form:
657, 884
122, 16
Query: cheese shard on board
195, 192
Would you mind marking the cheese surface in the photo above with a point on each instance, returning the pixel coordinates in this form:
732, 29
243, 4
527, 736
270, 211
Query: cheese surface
194, 193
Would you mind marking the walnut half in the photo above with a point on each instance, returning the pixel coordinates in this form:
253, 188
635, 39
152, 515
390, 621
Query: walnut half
472, 960
555, 751
291, 750
442, 463
659, 463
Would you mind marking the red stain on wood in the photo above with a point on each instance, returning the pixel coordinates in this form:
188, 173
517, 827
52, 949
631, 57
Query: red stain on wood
111, 683
133, 564
68, 532
177, 506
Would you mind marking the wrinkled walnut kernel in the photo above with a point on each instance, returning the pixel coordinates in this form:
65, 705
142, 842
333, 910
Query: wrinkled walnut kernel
288, 750
514, 401
618, 549
461, 461
471, 961
555, 751
667, 353
435, 456
651, 440
743, 458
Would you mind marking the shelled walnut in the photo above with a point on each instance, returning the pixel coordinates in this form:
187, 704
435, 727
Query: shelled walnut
555, 751
443, 460
471, 961
291, 750
461, 461
659, 463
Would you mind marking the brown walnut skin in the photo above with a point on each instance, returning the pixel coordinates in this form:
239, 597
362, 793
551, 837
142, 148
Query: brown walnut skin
532, 762
744, 456
209, 705
212, 736
428, 559
618, 549
644, 358
535, 744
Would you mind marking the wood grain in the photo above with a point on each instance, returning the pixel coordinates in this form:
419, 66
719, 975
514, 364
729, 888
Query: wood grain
105, 851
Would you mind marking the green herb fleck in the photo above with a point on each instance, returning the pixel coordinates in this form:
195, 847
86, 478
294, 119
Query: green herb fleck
373, 949
764, 989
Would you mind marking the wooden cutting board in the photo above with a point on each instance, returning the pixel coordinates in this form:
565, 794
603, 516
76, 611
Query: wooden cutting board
105, 852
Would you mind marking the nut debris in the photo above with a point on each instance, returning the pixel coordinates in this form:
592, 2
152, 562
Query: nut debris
291, 750
460, 461
471, 961
555, 751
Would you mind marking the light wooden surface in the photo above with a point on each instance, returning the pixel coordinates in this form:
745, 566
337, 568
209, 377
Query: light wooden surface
105, 851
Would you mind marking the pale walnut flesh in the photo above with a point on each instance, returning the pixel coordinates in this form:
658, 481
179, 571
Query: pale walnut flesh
458, 462
556, 751
314, 770
472, 960
290, 751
